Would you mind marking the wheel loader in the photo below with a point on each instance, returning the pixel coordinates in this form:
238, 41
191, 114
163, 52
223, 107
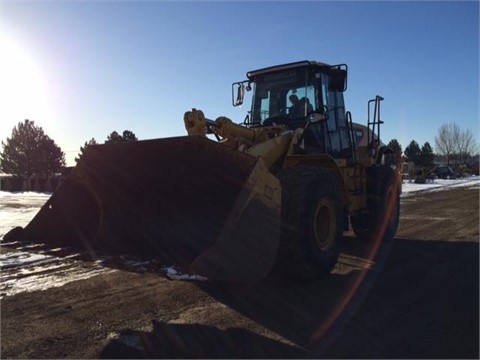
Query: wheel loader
236, 201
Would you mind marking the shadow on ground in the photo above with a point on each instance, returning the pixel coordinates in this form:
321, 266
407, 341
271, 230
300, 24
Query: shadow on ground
421, 302
196, 341
306, 311
424, 304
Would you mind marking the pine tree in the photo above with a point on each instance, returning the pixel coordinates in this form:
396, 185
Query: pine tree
397, 150
129, 136
426, 156
29, 151
88, 143
413, 152
92, 141
115, 137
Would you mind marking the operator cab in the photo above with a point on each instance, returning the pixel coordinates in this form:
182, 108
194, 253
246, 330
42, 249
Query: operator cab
302, 94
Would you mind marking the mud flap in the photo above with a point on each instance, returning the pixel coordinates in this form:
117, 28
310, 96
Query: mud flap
189, 201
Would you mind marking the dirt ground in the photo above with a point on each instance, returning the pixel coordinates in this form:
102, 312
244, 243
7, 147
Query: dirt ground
419, 298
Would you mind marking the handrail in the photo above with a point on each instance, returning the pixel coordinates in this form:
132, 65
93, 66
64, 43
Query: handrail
375, 123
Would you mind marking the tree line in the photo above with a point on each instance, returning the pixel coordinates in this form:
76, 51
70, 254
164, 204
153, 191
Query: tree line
453, 146
29, 151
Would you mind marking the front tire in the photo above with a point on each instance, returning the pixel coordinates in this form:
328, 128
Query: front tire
312, 222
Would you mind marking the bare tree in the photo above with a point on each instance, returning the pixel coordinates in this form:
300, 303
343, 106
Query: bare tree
447, 140
466, 145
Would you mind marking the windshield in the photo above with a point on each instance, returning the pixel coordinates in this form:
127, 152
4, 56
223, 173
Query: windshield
293, 94
288, 93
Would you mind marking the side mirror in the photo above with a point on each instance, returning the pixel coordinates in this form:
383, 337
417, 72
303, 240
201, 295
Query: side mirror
240, 94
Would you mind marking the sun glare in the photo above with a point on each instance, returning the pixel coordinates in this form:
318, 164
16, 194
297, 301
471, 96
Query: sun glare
23, 92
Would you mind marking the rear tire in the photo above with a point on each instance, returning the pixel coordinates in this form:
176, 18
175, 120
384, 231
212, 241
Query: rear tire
312, 222
383, 202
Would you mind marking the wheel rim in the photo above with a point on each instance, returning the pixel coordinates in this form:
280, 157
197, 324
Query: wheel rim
324, 225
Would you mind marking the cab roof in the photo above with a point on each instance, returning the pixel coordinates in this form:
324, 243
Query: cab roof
298, 64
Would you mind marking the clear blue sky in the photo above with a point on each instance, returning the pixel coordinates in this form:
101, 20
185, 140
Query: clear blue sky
81, 69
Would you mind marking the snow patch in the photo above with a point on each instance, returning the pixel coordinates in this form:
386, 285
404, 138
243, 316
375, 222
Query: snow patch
175, 274
409, 187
